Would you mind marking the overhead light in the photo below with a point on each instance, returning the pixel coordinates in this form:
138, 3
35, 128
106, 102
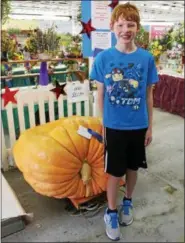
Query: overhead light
155, 6
164, 7
39, 16
154, 22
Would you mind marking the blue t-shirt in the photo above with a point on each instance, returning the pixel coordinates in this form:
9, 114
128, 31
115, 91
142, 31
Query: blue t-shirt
125, 78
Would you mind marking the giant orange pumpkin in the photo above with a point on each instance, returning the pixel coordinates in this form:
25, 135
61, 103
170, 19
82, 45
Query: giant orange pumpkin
58, 162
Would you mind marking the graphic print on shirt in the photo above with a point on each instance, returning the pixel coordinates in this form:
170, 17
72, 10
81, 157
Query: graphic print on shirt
124, 85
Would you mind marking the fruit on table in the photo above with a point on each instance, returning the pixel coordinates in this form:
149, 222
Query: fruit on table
58, 162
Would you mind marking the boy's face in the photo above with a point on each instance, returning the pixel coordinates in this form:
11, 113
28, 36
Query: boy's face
125, 31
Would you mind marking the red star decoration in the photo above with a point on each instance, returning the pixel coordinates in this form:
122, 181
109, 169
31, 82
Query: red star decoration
59, 89
8, 96
87, 28
114, 4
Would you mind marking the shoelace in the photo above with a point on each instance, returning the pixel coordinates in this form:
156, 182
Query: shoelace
126, 206
114, 220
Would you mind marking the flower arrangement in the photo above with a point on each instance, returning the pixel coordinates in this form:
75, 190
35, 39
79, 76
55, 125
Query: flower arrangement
178, 33
8, 46
172, 43
46, 41
72, 45
175, 52
142, 38
156, 49
177, 42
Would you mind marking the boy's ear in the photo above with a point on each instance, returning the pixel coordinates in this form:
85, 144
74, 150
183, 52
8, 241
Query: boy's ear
111, 26
138, 28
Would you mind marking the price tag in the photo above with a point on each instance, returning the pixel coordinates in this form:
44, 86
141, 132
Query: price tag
84, 132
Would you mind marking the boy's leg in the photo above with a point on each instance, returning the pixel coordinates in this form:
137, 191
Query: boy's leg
136, 158
131, 179
115, 167
112, 189
125, 212
111, 214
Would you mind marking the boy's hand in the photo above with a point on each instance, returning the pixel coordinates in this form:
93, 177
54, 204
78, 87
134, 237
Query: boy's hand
103, 134
148, 137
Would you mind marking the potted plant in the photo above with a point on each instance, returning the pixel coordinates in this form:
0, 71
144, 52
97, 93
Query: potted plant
156, 49
142, 38
45, 43
8, 46
71, 64
13, 31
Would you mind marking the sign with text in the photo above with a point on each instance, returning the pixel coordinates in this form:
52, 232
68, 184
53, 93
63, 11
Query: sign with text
77, 91
101, 40
158, 31
100, 14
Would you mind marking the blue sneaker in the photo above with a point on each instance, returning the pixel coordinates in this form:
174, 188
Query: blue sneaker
112, 225
126, 213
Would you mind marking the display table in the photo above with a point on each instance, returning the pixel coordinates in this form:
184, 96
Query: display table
29, 81
169, 94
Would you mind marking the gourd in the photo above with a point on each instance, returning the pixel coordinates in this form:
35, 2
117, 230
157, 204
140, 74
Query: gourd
58, 162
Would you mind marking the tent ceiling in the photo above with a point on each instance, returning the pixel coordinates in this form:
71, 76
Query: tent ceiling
168, 11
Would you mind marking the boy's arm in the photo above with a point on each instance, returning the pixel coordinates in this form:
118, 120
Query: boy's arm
150, 105
100, 90
148, 137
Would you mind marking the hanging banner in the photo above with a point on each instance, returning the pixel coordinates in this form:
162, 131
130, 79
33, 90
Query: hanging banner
101, 14
101, 40
96, 14
158, 31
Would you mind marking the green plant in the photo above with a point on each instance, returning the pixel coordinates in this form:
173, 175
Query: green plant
7, 44
5, 10
12, 31
166, 40
65, 39
79, 14
142, 38
177, 33
69, 62
44, 41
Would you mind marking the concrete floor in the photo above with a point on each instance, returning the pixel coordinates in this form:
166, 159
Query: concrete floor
159, 215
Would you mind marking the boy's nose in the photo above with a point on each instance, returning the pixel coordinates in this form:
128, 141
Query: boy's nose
125, 28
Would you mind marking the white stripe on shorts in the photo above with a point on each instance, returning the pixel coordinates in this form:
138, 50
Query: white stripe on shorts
106, 153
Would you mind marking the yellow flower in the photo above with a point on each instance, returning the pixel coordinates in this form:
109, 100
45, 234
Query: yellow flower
160, 47
156, 43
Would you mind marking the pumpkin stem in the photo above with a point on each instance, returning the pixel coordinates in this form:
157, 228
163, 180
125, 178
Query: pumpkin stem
85, 172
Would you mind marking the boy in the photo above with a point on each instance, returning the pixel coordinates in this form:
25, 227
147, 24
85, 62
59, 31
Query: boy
124, 75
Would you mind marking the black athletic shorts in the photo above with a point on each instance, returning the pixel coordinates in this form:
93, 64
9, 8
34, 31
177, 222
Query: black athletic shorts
124, 149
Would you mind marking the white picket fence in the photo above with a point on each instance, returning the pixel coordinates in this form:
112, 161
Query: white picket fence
29, 97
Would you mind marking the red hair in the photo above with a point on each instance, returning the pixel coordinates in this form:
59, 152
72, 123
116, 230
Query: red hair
127, 11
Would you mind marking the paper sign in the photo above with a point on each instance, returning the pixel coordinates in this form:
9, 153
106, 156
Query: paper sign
101, 14
77, 91
84, 132
158, 31
101, 40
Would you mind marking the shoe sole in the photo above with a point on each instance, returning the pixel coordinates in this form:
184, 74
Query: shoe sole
116, 239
